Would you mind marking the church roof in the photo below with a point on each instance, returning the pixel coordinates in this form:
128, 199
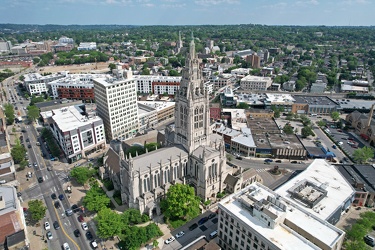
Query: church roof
113, 160
208, 151
153, 159
230, 180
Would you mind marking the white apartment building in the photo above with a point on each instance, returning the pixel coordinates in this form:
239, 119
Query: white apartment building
87, 46
36, 84
258, 218
255, 83
154, 113
65, 39
78, 133
73, 81
158, 84
116, 101
240, 72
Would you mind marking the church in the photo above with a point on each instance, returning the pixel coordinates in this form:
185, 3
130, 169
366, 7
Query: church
191, 155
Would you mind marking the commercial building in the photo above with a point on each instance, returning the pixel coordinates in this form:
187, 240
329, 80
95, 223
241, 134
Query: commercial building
78, 131
36, 84
318, 87
116, 101
164, 111
255, 83
75, 86
7, 168
5, 46
221, 80
158, 84
87, 46
227, 97
12, 220
254, 60
259, 218
320, 105
321, 190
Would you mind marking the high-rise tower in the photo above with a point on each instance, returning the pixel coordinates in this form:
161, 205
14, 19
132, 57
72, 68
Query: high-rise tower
192, 109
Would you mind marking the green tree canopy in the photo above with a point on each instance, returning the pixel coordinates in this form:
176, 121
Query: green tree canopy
96, 199
9, 113
109, 223
181, 202
32, 112
243, 105
18, 152
82, 174
288, 129
307, 131
37, 209
111, 66
335, 115
321, 123
362, 155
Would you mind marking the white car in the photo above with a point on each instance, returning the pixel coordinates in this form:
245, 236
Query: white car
47, 225
340, 143
49, 235
84, 226
66, 246
170, 240
180, 234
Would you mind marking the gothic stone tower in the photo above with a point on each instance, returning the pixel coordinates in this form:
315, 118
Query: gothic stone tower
192, 109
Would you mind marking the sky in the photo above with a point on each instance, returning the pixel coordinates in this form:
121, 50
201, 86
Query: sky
189, 12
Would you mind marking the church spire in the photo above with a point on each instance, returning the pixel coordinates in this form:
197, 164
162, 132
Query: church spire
192, 47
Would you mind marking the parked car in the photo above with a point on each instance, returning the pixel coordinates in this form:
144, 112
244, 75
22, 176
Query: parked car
84, 226
66, 246
75, 208
340, 143
278, 161
47, 226
68, 212
180, 234
53, 196
94, 245
56, 225
294, 162
40, 179
268, 160
49, 235
57, 204
77, 233
61, 197
212, 215
334, 146
170, 240
194, 226
80, 218
202, 220
89, 235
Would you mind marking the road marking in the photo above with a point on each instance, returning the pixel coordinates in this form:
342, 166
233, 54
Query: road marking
46, 177
260, 170
62, 228
54, 188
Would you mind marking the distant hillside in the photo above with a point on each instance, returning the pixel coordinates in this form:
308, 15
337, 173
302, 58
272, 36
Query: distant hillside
21, 28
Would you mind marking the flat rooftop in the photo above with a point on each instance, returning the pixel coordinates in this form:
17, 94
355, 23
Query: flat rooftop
253, 204
157, 105
325, 176
70, 118
355, 104
284, 141
279, 98
314, 100
262, 125
83, 79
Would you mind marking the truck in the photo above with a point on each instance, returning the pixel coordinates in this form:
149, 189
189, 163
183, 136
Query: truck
18, 119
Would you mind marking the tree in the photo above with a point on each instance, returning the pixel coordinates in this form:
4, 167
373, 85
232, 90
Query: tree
362, 155
321, 123
109, 223
155, 244
181, 202
112, 66
96, 199
82, 174
335, 115
21, 78
9, 113
288, 129
37, 209
32, 113
243, 105
307, 131
18, 152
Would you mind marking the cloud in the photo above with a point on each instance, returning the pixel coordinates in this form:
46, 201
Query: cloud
274, 6
354, 2
173, 5
216, 2
307, 3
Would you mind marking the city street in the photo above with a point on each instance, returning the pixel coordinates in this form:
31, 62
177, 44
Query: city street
33, 188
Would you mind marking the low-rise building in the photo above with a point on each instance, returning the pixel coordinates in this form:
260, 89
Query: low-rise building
164, 110
227, 97
289, 85
364, 124
321, 190
36, 84
75, 86
158, 84
77, 132
318, 87
320, 105
259, 218
255, 83
221, 80
12, 220
7, 169
87, 46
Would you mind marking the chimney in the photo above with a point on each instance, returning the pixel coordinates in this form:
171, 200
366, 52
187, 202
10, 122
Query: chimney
370, 115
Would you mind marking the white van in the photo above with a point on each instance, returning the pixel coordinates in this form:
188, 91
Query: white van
213, 234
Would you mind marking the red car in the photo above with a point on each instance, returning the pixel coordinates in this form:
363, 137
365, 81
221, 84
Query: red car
80, 218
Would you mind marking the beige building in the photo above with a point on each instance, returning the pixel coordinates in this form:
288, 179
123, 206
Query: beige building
192, 154
255, 83
364, 124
